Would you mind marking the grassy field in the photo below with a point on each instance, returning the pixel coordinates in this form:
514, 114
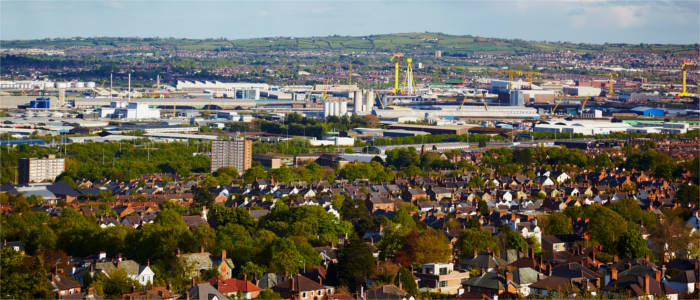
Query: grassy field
405, 42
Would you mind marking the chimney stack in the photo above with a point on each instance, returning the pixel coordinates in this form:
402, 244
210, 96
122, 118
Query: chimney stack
223, 254
657, 275
613, 273
646, 283
201, 249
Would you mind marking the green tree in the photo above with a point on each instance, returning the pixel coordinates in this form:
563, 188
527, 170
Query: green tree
556, 224
407, 280
475, 239
631, 244
356, 263
23, 276
515, 241
431, 246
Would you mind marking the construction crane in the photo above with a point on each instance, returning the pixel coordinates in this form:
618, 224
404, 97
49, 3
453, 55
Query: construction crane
379, 97
554, 110
529, 76
511, 74
483, 100
583, 105
395, 58
409, 86
325, 89
686, 65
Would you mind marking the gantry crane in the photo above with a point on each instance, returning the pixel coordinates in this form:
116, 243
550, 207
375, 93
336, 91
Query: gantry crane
686, 65
529, 76
483, 100
610, 82
409, 86
510, 73
395, 58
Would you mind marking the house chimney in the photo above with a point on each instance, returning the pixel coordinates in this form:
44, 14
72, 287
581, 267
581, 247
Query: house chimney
657, 275
476, 252
245, 277
615, 258
178, 251
148, 263
613, 273
646, 283
201, 249
223, 254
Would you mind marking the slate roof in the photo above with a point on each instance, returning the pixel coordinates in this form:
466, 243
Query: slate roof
489, 280
204, 291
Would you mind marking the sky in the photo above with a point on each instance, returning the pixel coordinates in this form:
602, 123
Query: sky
586, 21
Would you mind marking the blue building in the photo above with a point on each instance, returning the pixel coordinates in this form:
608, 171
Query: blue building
649, 111
41, 102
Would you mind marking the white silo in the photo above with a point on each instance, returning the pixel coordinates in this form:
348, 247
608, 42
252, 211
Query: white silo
369, 100
358, 103
326, 109
343, 108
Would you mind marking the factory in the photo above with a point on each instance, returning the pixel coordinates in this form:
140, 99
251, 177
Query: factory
129, 111
465, 112
591, 127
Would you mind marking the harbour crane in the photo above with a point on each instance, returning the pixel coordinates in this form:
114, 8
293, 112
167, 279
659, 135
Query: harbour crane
686, 65
529, 76
395, 58
409, 86
483, 100
325, 89
511, 74
610, 82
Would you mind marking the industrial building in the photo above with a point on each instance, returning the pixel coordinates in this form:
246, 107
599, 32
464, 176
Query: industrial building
446, 129
129, 111
235, 153
439, 147
582, 91
466, 111
33, 170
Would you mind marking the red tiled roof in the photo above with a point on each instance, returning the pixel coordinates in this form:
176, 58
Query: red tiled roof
236, 285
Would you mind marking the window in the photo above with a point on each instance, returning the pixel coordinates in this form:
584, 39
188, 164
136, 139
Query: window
312, 293
319, 293
443, 284
303, 295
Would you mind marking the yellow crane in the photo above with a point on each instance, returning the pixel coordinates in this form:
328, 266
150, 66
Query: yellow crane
483, 100
511, 74
409, 86
103, 84
379, 97
686, 65
325, 89
610, 83
529, 76
395, 58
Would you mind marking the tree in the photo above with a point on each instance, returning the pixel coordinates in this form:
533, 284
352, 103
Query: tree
252, 271
475, 239
255, 172
431, 246
355, 263
408, 282
114, 285
605, 226
370, 121
23, 276
556, 224
515, 241
631, 244
687, 194
483, 207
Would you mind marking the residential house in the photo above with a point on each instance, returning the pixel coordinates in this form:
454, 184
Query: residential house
205, 261
441, 278
490, 284
299, 287
203, 291
388, 291
232, 287
63, 285
412, 195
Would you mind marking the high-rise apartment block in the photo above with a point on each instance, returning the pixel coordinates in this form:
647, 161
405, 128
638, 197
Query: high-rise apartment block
40, 169
237, 153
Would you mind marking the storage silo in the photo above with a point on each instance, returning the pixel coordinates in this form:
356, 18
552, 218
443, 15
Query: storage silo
343, 108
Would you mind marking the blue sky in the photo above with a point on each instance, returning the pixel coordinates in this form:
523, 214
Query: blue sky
597, 21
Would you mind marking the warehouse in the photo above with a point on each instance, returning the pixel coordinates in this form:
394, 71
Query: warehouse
445, 129
648, 111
